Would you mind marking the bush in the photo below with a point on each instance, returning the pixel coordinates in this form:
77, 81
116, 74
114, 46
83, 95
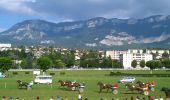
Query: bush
15, 73
118, 73
27, 72
52, 74
62, 73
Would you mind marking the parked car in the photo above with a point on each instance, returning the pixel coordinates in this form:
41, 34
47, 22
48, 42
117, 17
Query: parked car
1, 75
127, 79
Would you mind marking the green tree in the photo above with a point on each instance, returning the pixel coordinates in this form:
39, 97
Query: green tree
116, 64
69, 59
107, 62
59, 64
23, 63
44, 63
142, 63
166, 63
134, 63
165, 55
5, 64
89, 60
152, 64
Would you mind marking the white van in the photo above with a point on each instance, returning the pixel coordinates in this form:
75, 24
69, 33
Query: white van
45, 79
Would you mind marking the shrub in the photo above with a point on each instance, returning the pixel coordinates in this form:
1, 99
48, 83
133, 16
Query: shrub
118, 73
112, 73
62, 73
27, 72
52, 74
15, 73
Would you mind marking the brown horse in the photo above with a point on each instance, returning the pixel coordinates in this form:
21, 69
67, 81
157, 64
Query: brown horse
22, 84
132, 88
73, 85
167, 92
104, 86
64, 83
150, 85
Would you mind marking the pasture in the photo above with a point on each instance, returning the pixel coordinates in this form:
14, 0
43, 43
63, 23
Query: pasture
8, 85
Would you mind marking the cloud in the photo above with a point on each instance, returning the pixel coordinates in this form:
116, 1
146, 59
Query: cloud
2, 29
118, 39
85, 9
160, 38
91, 44
123, 38
18, 6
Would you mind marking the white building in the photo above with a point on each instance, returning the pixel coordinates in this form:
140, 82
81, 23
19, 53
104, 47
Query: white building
136, 51
5, 46
157, 51
126, 59
115, 54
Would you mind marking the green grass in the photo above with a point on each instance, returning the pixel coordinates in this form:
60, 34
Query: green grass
90, 77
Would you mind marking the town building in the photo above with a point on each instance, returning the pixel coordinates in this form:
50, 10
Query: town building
115, 54
127, 58
5, 46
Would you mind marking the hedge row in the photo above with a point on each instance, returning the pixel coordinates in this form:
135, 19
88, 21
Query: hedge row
141, 75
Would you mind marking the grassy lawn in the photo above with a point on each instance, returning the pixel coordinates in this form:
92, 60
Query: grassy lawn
90, 77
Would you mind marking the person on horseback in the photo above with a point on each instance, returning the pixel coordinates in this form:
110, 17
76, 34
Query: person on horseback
116, 86
152, 83
145, 87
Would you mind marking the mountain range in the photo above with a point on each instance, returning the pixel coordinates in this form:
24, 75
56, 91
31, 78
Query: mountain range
97, 33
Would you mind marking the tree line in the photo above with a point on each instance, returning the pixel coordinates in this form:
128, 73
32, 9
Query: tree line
152, 64
54, 59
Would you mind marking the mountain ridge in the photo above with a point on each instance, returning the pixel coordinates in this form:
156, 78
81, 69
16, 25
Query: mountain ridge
96, 32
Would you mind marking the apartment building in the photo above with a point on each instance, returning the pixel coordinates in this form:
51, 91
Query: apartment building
127, 58
115, 54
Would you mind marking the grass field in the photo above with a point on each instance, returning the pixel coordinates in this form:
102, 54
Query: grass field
90, 77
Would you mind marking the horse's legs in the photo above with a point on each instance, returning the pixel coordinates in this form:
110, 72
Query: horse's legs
107, 89
100, 90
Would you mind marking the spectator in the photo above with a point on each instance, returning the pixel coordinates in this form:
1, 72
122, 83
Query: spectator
101, 98
156, 98
3, 97
65, 98
10, 98
125, 98
150, 98
132, 98
17, 98
144, 98
79, 97
85, 99
38, 98
58, 98
52, 98
137, 98
160, 98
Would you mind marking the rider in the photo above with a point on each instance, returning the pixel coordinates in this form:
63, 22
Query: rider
152, 83
116, 85
145, 86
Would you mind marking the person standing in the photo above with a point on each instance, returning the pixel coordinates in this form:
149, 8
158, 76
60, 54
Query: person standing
79, 97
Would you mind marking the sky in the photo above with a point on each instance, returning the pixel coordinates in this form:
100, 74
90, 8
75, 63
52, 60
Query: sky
14, 11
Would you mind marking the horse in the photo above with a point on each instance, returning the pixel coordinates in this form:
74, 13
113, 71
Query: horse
132, 88
143, 85
140, 84
22, 84
167, 92
73, 85
104, 86
64, 83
